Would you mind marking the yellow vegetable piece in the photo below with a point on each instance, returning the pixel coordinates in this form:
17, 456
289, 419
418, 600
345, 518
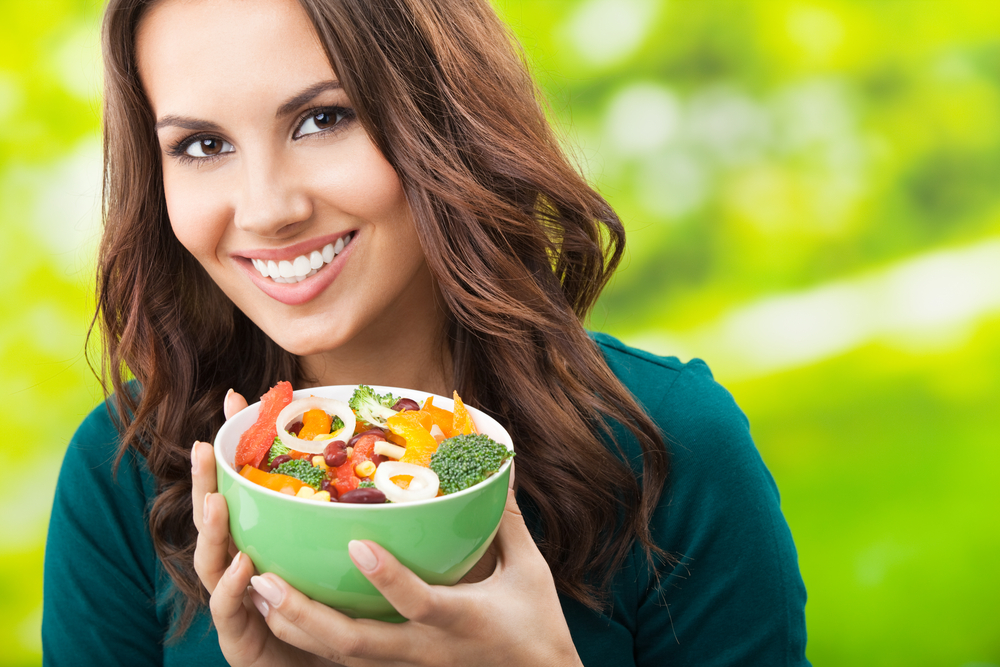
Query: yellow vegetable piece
463, 420
415, 427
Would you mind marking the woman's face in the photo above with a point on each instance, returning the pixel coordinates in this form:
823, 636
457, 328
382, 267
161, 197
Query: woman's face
267, 171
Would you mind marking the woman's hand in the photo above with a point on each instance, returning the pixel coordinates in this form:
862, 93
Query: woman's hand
511, 617
244, 637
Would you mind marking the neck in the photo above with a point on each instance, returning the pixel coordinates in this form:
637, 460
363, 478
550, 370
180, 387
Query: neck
408, 350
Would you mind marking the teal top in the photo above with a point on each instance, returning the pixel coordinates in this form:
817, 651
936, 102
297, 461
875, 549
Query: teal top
734, 598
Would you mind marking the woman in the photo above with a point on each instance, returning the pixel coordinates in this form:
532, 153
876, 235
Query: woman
406, 134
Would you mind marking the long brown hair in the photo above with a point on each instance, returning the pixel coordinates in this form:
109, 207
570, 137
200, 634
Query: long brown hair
519, 244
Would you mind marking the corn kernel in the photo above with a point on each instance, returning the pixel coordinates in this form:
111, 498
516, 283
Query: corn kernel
366, 469
305, 492
320, 462
350, 452
323, 496
321, 436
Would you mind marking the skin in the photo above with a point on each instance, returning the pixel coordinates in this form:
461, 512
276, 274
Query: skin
219, 72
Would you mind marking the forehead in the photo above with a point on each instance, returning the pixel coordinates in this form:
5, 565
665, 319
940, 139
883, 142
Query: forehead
193, 52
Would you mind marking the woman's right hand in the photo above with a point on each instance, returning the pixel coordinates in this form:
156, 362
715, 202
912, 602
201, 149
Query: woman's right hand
244, 637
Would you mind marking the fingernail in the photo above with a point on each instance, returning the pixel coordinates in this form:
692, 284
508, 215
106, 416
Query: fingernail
194, 449
235, 565
229, 392
204, 509
267, 590
362, 554
259, 602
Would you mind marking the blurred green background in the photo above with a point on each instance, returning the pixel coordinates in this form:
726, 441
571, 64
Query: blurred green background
811, 192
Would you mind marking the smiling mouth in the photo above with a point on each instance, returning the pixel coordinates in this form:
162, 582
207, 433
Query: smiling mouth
304, 266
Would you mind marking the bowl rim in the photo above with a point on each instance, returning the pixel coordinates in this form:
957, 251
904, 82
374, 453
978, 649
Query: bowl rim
477, 414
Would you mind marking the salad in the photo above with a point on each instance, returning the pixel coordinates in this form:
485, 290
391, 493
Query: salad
373, 449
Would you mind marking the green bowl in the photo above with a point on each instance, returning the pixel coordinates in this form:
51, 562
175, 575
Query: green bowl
305, 542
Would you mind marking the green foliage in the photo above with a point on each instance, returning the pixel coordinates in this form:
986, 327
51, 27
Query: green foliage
303, 471
372, 407
792, 144
466, 460
277, 449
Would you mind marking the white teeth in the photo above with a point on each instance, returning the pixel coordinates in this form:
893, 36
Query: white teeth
328, 253
301, 266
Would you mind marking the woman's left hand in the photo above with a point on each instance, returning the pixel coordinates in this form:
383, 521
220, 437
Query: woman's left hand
511, 617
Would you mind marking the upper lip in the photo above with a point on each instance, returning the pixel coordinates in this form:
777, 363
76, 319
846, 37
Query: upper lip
292, 251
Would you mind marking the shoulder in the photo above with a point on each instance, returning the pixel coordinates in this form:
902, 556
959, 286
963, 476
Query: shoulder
697, 416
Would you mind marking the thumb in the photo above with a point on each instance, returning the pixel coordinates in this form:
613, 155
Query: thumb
513, 540
233, 403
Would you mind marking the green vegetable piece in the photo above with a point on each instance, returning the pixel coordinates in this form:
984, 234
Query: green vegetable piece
336, 424
302, 471
366, 484
466, 460
277, 449
371, 407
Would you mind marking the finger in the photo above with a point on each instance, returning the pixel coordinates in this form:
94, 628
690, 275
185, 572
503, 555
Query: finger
230, 615
211, 552
411, 596
203, 480
513, 539
233, 403
318, 629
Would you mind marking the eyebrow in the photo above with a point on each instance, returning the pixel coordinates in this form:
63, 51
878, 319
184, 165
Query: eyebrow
293, 104
286, 109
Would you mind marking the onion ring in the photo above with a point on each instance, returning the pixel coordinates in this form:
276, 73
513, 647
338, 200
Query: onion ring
297, 408
424, 485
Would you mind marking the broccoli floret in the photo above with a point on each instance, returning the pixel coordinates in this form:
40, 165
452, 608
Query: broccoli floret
465, 460
303, 471
277, 449
366, 484
336, 424
371, 407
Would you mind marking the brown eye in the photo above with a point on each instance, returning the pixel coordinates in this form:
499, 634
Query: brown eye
208, 147
319, 121
324, 120
211, 146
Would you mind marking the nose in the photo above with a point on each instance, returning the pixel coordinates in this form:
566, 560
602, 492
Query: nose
271, 200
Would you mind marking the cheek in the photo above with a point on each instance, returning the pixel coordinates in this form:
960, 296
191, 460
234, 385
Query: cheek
196, 217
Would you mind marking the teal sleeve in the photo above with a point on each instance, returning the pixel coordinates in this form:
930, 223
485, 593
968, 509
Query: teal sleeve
735, 595
99, 587
732, 593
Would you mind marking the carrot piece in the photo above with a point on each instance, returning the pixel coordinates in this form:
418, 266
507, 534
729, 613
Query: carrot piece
463, 420
273, 481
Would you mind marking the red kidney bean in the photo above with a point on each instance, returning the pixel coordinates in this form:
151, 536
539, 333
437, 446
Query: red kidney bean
295, 428
335, 459
377, 431
406, 404
334, 447
330, 488
367, 496
278, 460
377, 459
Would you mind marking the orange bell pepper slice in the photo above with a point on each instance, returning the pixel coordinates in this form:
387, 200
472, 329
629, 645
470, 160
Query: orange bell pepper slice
415, 427
444, 419
269, 480
463, 420
315, 422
